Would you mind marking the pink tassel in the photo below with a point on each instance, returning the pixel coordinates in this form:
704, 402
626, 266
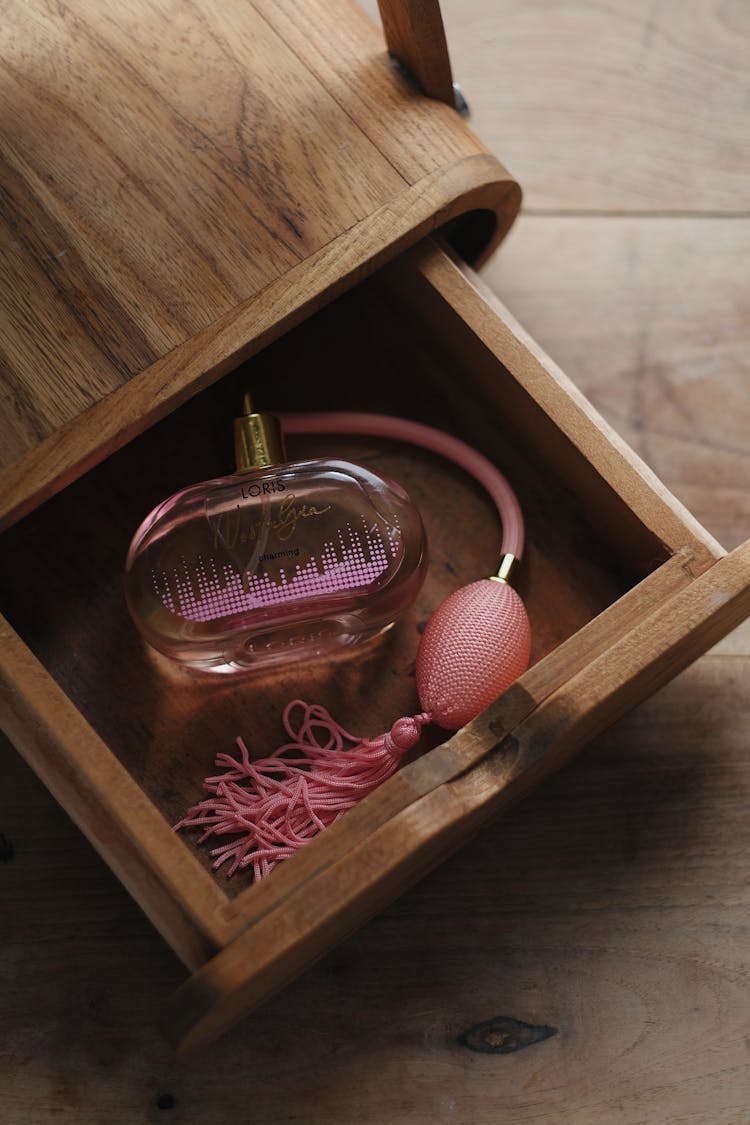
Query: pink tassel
276, 805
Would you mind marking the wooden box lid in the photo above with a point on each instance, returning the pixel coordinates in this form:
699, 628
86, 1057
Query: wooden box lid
184, 182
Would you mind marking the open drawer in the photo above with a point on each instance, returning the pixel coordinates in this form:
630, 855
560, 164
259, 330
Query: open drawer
623, 589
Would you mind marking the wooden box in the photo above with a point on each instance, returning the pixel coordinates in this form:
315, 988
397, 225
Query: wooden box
233, 196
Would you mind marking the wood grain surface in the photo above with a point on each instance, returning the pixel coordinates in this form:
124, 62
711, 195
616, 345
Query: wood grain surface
672, 370
171, 169
610, 106
612, 905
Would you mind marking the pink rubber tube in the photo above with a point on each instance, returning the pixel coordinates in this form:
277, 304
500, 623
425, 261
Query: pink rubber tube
415, 433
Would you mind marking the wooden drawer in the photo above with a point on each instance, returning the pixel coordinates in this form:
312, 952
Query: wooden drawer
622, 585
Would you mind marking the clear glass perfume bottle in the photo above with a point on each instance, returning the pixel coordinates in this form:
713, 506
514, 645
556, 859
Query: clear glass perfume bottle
280, 561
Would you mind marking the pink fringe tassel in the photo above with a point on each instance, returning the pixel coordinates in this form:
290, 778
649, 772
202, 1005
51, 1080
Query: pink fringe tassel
276, 805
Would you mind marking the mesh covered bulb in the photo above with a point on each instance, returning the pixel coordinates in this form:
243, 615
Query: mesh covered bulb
477, 642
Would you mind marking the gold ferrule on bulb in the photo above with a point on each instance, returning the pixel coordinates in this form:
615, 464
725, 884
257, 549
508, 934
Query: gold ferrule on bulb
258, 441
508, 564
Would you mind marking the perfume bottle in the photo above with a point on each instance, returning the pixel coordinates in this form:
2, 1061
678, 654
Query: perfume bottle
279, 561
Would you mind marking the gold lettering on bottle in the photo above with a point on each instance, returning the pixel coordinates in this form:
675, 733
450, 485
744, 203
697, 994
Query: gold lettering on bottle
290, 513
236, 525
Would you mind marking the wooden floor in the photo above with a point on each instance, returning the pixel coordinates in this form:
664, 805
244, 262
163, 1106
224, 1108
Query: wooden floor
613, 906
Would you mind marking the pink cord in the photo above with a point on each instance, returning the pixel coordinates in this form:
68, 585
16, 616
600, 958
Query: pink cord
415, 433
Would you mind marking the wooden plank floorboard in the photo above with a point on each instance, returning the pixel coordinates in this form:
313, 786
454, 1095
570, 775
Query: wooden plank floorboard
660, 345
610, 106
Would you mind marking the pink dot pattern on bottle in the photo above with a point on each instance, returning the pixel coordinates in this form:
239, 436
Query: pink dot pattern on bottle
207, 590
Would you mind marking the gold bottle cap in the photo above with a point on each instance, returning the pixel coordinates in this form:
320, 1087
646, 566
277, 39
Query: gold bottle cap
258, 441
